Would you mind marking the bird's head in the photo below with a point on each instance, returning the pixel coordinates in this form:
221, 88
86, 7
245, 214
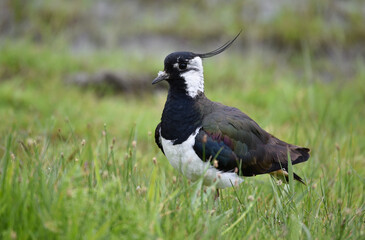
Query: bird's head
184, 70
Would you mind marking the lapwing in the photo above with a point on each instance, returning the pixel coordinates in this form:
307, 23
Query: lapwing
200, 137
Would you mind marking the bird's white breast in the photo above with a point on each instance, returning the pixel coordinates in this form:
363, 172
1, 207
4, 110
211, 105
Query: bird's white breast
183, 158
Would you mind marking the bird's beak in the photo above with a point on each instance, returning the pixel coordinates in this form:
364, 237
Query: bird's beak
162, 75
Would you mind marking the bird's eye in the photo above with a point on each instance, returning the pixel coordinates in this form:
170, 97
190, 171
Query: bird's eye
182, 66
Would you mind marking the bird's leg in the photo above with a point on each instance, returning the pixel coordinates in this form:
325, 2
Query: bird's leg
216, 194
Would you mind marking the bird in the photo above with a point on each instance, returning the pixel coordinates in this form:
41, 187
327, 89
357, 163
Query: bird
206, 139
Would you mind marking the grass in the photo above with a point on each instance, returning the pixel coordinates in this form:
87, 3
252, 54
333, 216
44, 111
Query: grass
77, 166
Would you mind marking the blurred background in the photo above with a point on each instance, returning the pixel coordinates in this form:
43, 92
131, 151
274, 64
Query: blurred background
117, 47
92, 62
77, 108
151, 26
333, 30
60, 59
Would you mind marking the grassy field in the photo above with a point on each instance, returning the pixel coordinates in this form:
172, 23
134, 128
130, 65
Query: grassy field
77, 164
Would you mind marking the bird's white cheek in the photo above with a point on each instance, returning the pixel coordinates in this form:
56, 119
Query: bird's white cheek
194, 81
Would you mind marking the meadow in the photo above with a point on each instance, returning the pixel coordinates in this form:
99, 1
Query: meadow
77, 164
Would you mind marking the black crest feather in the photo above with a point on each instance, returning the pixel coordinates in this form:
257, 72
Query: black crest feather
218, 50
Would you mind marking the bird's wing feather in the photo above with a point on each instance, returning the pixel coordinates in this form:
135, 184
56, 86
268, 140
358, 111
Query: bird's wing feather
236, 141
